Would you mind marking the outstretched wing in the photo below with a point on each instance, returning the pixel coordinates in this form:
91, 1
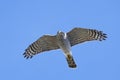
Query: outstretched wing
79, 35
44, 43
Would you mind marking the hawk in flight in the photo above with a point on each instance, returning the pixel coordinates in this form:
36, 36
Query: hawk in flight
64, 41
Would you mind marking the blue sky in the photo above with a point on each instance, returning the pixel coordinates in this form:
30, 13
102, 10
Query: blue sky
24, 21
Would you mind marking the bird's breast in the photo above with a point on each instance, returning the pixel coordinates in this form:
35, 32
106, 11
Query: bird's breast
64, 44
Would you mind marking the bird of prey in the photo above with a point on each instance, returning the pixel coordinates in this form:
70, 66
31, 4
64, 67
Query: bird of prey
64, 41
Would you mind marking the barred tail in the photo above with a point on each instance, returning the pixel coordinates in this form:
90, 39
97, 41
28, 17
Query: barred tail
70, 61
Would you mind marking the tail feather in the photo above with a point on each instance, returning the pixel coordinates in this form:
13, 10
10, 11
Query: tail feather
70, 61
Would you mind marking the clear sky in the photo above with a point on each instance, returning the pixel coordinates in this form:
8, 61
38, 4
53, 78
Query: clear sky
24, 21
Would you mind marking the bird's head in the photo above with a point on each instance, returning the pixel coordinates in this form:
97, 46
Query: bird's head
62, 34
